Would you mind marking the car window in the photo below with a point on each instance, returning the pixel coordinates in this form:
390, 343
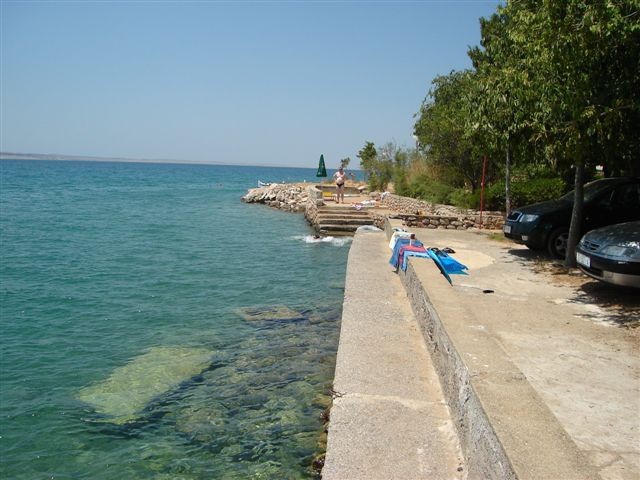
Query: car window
627, 196
594, 189
591, 191
605, 201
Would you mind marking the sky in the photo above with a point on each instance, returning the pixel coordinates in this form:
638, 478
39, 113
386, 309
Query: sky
245, 82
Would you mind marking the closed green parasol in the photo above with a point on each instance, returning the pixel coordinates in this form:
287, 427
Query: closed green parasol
322, 170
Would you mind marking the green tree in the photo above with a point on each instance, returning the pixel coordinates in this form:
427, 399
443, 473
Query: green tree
401, 161
503, 100
390, 165
367, 155
598, 45
377, 167
443, 127
564, 76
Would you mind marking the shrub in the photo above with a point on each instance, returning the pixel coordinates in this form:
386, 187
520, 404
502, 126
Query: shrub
400, 183
463, 198
425, 188
524, 192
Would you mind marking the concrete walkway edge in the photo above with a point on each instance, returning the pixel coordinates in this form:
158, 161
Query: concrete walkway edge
482, 448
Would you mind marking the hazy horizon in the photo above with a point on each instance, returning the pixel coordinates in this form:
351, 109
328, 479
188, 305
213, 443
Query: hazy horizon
47, 157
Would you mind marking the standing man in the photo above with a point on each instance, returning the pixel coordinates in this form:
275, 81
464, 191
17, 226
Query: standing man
340, 177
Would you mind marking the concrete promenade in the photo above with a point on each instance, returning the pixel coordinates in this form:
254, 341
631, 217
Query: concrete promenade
535, 382
389, 418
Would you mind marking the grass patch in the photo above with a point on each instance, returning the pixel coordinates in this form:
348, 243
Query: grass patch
498, 237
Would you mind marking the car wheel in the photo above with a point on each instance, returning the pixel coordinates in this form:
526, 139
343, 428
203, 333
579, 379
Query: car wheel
557, 242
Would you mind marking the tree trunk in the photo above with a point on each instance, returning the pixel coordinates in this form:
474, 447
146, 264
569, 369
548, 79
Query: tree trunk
576, 218
507, 180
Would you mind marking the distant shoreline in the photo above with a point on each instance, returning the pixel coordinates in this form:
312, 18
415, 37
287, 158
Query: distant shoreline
82, 158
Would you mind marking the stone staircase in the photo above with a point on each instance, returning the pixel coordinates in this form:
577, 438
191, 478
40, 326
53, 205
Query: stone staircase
337, 220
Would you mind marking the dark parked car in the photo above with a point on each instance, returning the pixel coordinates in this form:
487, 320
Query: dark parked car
546, 225
612, 254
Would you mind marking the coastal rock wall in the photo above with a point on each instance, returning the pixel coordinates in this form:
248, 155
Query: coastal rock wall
291, 197
379, 219
312, 205
306, 198
419, 213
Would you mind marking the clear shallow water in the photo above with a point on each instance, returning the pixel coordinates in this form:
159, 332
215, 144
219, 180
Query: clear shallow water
104, 262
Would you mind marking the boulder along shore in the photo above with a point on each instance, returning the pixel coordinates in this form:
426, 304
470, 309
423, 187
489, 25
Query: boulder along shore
291, 197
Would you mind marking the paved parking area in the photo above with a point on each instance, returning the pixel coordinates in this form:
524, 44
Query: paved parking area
574, 339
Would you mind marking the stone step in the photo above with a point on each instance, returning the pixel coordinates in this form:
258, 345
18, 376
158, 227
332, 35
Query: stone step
336, 208
345, 220
344, 213
341, 220
521, 411
333, 228
336, 233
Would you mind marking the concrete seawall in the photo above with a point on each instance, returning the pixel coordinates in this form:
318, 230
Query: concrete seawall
389, 418
505, 429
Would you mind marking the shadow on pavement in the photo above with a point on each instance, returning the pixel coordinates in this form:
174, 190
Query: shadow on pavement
617, 305
622, 304
525, 256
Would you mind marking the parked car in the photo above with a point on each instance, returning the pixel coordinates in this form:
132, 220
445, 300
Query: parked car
546, 225
612, 254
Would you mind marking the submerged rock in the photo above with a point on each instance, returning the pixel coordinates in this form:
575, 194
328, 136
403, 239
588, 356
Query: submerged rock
129, 389
254, 411
266, 313
203, 423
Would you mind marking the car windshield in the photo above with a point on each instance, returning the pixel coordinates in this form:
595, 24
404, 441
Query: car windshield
591, 191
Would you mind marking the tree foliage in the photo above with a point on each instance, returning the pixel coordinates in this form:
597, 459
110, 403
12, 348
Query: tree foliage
554, 83
554, 91
367, 155
570, 71
443, 127
375, 166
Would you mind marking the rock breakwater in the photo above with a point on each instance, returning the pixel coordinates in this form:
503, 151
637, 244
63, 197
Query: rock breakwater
291, 197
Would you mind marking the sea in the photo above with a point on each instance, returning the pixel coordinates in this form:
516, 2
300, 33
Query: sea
154, 326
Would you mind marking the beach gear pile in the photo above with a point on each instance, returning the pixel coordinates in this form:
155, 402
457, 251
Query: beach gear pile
405, 244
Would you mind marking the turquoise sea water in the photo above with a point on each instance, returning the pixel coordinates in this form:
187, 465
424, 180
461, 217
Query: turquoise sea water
106, 265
